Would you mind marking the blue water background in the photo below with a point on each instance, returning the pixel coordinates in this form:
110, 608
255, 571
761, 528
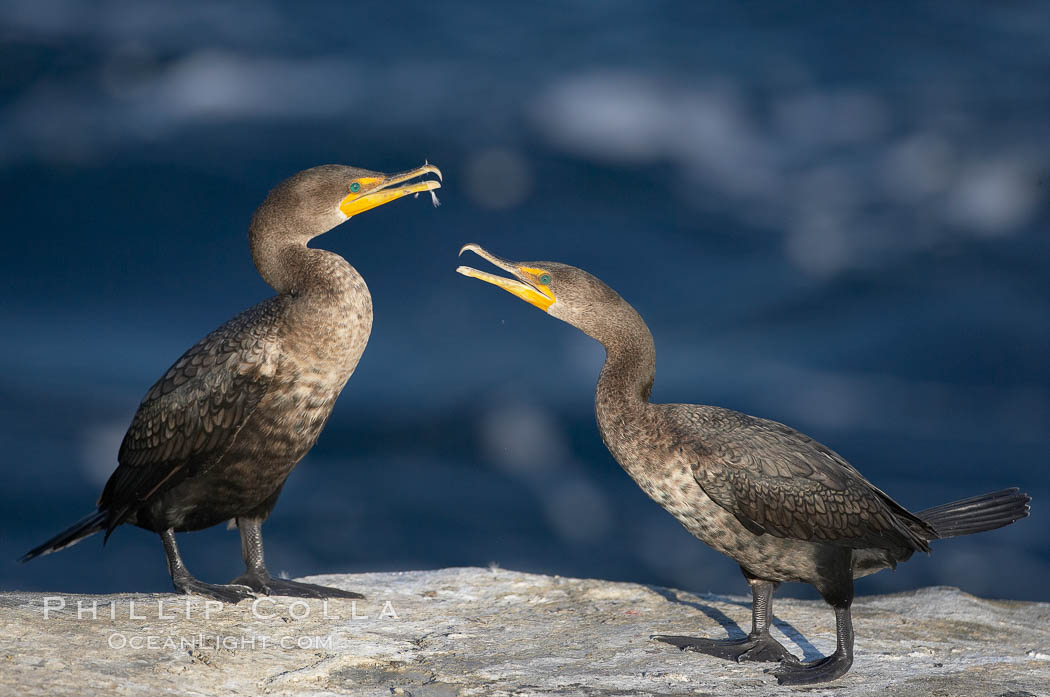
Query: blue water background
831, 214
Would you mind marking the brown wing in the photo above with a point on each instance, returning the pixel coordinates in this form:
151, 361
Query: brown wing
190, 417
776, 480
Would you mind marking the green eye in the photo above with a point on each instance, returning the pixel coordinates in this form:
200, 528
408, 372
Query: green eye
545, 279
355, 187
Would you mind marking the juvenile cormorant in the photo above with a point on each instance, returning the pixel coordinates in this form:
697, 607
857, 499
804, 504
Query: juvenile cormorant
215, 438
782, 505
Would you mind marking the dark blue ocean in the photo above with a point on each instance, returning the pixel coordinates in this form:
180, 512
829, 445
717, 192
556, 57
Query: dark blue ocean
834, 215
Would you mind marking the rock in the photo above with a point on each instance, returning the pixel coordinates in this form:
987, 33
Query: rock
492, 632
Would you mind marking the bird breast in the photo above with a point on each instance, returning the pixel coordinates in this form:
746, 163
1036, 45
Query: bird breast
323, 335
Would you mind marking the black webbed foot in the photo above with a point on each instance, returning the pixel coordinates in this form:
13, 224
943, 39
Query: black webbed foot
233, 593
760, 647
184, 581
269, 585
826, 669
259, 579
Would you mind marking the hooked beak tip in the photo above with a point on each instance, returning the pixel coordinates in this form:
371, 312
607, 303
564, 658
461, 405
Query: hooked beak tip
433, 169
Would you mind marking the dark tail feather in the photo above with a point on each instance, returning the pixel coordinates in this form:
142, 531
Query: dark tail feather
977, 514
89, 525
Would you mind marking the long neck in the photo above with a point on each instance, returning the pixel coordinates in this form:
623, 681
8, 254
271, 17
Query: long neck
314, 279
281, 260
626, 379
278, 244
327, 306
298, 270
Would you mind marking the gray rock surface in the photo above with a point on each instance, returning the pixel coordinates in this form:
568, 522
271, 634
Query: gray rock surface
494, 632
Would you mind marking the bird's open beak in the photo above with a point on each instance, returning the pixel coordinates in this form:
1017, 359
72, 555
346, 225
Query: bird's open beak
527, 288
375, 191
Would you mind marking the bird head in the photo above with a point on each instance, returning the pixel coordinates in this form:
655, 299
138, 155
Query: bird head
560, 290
318, 199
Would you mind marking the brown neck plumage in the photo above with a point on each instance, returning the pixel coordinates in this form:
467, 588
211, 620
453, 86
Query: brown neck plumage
283, 259
278, 243
626, 379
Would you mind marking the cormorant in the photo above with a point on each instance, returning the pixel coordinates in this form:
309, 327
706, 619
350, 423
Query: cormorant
215, 438
782, 505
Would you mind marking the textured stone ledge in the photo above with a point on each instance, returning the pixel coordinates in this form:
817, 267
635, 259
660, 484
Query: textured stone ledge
493, 632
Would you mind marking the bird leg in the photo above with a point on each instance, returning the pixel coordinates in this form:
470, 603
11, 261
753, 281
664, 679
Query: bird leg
185, 582
834, 666
756, 646
258, 578
838, 591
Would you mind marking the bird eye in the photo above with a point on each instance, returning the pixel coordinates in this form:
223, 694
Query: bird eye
355, 187
545, 279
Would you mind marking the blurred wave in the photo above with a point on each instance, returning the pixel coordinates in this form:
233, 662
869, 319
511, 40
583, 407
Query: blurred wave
821, 165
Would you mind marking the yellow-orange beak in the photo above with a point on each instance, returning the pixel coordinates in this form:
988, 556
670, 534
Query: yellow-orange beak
375, 191
528, 289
